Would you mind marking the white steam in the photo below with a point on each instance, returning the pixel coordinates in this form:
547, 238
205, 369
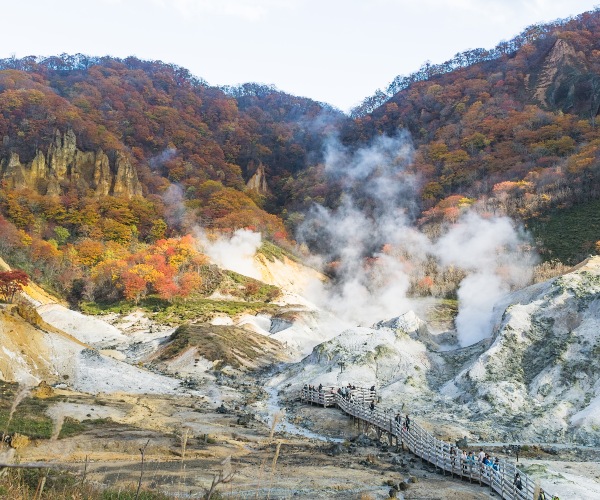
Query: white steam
175, 211
490, 250
235, 253
375, 246
367, 291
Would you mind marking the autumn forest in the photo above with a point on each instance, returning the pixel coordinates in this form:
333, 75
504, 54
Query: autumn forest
109, 166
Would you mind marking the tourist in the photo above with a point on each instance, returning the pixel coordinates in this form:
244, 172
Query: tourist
398, 419
452, 455
407, 422
517, 481
471, 460
496, 468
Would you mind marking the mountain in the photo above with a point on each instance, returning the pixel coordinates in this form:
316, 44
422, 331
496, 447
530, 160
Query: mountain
101, 156
513, 127
79, 126
165, 121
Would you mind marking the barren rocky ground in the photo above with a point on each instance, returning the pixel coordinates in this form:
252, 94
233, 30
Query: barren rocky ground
273, 464
267, 461
210, 400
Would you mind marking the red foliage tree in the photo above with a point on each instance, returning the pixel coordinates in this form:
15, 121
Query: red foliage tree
12, 282
134, 286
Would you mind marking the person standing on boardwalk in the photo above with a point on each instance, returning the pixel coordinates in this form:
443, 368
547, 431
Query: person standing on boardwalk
518, 482
407, 422
452, 455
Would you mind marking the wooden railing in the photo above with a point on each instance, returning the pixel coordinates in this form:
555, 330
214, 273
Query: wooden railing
423, 444
328, 396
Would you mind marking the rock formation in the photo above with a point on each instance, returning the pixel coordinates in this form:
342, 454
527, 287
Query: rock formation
258, 182
64, 165
565, 81
542, 369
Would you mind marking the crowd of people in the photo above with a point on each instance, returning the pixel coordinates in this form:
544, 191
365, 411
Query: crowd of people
469, 461
345, 391
482, 459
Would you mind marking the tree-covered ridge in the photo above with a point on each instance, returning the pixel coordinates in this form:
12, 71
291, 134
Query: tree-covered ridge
173, 127
511, 131
517, 130
533, 33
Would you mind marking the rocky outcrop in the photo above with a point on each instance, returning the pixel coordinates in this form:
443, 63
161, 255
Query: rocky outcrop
64, 166
258, 182
565, 82
385, 355
561, 56
543, 370
126, 182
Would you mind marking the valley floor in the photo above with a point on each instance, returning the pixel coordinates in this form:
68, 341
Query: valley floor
267, 462
207, 400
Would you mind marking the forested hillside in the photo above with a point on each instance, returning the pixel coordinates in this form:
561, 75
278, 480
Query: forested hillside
102, 160
515, 126
172, 127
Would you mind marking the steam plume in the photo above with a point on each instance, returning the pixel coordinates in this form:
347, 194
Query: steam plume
376, 209
374, 244
235, 253
491, 250
175, 208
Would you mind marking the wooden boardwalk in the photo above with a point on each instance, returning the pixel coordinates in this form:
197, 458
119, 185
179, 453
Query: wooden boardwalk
421, 443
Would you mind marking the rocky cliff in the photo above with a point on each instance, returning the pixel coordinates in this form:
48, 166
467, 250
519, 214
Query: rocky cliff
565, 81
64, 166
258, 181
542, 372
